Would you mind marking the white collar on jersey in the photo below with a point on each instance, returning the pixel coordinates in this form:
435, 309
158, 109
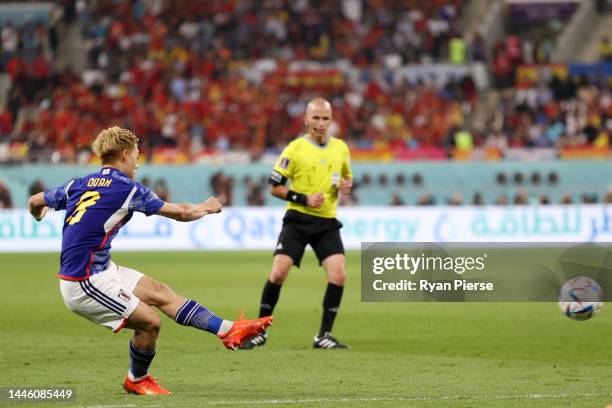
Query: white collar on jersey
307, 137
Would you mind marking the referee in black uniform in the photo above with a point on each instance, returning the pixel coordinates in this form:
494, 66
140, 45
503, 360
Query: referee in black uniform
318, 168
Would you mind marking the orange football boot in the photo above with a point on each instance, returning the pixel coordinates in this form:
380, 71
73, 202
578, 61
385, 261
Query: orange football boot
144, 386
243, 329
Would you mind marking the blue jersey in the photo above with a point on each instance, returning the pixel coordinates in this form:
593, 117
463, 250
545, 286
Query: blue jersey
97, 206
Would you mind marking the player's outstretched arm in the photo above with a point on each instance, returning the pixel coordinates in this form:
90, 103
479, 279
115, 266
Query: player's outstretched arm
185, 212
37, 206
284, 193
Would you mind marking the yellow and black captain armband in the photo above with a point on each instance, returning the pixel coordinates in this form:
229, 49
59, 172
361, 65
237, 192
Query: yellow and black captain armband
277, 179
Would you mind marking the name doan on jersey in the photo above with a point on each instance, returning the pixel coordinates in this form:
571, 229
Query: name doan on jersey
99, 182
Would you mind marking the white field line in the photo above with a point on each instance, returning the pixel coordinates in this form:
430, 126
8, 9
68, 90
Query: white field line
525, 397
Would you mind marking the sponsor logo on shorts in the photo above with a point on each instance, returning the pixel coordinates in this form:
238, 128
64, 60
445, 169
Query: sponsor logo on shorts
123, 295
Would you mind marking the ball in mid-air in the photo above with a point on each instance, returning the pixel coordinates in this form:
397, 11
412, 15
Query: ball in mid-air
580, 298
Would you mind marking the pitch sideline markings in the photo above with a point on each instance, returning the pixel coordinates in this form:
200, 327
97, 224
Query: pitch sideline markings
414, 399
365, 399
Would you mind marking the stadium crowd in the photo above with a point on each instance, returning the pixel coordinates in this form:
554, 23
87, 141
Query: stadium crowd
178, 75
177, 80
365, 33
571, 112
400, 192
513, 51
26, 42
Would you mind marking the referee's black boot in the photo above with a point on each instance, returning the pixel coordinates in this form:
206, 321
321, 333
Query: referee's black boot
327, 341
255, 341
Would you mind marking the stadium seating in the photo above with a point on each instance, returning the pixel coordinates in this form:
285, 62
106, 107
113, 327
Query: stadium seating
525, 182
189, 82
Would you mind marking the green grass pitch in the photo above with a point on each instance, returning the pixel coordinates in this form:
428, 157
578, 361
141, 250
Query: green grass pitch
403, 354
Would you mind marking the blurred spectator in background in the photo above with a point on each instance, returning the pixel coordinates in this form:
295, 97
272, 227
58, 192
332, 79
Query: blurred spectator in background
396, 200
455, 199
255, 196
10, 42
521, 198
254, 191
502, 67
502, 200
6, 200
222, 187
146, 181
605, 50
477, 48
477, 199
426, 199
458, 49
36, 187
160, 187
366, 180
463, 140
400, 179
567, 199
589, 198
383, 180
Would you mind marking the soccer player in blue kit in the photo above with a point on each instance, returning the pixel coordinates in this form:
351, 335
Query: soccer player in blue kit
93, 286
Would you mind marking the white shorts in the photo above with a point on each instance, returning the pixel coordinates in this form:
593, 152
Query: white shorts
105, 298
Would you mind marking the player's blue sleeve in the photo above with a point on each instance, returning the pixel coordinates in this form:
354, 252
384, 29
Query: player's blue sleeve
145, 201
56, 197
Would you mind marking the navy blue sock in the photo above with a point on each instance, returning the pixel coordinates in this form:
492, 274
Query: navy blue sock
140, 360
195, 315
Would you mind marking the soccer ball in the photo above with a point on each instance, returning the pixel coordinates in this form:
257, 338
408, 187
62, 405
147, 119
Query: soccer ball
580, 298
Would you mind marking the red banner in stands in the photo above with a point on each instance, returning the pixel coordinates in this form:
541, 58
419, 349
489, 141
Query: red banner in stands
308, 79
585, 152
424, 153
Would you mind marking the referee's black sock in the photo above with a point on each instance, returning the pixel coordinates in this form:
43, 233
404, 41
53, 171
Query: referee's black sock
269, 297
331, 302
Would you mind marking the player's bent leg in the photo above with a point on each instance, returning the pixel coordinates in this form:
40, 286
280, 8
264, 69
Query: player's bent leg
334, 266
160, 295
146, 325
188, 312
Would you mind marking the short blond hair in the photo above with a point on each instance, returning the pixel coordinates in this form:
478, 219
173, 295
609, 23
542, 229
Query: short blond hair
112, 141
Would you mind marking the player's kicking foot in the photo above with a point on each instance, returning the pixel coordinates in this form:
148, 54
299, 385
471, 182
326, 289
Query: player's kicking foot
144, 386
327, 341
243, 329
254, 341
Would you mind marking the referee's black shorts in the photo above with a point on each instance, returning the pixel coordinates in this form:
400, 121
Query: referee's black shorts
299, 230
